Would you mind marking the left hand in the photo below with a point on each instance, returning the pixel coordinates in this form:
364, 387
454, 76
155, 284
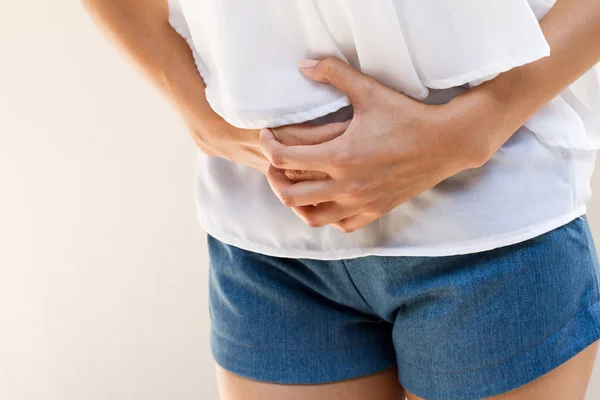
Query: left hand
393, 149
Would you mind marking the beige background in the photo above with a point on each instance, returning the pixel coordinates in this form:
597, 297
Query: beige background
103, 268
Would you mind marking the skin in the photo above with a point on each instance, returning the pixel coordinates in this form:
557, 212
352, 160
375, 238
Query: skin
435, 142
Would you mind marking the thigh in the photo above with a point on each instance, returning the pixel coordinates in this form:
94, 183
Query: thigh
381, 385
282, 321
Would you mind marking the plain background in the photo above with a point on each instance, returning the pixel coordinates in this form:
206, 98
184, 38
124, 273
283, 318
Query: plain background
103, 268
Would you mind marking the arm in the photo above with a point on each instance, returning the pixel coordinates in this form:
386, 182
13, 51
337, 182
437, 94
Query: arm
572, 29
141, 31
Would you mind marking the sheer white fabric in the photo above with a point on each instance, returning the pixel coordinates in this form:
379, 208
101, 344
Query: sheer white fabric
247, 52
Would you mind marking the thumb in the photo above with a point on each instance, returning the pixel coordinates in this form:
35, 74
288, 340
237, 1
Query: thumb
341, 75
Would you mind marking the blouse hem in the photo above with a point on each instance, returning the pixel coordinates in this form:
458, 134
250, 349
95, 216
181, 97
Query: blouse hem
488, 70
488, 243
589, 145
286, 119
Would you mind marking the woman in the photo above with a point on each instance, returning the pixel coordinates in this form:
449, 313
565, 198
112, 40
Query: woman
394, 191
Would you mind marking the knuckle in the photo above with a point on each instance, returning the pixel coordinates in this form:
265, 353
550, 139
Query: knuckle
342, 158
330, 69
345, 228
378, 210
278, 158
357, 189
372, 208
287, 199
312, 222
382, 209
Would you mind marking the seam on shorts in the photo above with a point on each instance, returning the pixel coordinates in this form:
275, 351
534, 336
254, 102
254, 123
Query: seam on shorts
361, 343
521, 354
357, 290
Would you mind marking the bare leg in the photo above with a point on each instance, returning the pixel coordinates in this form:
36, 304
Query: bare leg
567, 381
383, 385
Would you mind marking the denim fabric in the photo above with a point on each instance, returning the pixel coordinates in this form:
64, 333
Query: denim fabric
458, 327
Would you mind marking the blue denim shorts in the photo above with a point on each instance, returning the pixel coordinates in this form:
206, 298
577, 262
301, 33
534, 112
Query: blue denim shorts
458, 327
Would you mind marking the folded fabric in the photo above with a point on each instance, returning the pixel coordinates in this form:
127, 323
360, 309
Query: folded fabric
248, 51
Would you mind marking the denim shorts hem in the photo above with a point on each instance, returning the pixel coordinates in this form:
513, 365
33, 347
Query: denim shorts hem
580, 332
302, 367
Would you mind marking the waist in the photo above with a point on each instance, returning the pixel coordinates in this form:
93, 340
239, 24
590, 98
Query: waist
525, 184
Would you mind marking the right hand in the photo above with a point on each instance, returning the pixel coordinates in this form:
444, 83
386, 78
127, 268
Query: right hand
221, 139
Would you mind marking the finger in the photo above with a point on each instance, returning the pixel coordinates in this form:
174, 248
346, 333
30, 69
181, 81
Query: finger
303, 157
355, 222
278, 181
300, 176
325, 213
293, 194
341, 75
307, 134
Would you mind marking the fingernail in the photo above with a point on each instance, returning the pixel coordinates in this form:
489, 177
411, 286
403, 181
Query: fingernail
308, 63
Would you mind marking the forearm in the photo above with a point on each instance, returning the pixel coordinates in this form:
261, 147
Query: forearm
572, 29
141, 31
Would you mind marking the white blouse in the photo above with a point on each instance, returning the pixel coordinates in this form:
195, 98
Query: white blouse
247, 52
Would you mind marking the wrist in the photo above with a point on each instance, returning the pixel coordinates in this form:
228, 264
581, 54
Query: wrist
216, 137
482, 118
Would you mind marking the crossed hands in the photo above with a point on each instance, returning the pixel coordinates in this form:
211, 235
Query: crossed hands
352, 173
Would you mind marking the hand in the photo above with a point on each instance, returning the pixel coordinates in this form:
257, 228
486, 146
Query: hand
217, 138
393, 149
